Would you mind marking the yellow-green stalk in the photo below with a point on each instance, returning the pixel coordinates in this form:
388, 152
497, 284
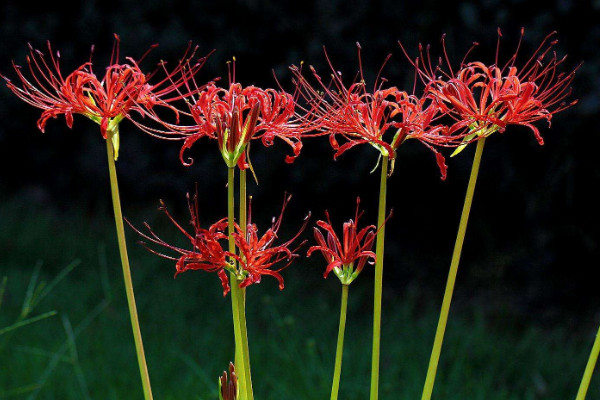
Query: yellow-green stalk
112, 147
378, 281
589, 369
460, 238
335, 387
235, 289
242, 298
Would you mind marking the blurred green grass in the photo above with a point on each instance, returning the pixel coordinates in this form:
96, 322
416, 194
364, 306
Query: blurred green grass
87, 351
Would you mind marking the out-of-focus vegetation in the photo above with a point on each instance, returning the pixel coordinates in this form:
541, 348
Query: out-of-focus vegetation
86, 350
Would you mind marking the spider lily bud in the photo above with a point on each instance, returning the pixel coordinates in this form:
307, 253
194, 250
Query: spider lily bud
228, 387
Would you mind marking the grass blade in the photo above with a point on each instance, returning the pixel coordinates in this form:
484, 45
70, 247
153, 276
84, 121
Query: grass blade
75, 357
27, 302
57, 279
59, 355
19, 391
28, 321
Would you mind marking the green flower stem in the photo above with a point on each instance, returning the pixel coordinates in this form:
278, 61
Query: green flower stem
242, 298
340, 345
245, 349
589, 369
243, 198
460, 238
378, 281
235, 289
135, 325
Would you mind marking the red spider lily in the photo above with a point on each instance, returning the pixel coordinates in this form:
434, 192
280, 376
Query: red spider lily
236, 115
360, 116
488, 98
123, 89
258, 255
341, 255
207, 253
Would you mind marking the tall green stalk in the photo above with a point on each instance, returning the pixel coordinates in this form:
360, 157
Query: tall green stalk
135, 325
335, 387
378, 281
243, 201
460, 238
239, 361
235, 289
242, 298
589, 369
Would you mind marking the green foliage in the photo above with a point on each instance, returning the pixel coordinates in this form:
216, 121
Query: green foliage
34, 294
88, 351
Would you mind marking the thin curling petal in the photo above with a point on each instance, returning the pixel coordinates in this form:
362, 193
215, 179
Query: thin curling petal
441, 162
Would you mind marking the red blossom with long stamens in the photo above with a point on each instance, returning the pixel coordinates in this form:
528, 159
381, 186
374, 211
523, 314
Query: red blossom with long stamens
236, 115
123, 88
358, 116
207, 252
354, 247
258, 255
488, 98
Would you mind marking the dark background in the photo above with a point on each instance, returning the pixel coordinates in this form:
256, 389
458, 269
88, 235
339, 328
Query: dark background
532, 246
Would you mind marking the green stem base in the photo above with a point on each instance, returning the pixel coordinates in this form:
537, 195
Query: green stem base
335, 387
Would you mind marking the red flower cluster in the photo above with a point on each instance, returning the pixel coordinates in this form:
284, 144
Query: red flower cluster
481, 99
236, 115
257, 255
341, 255
486, 99
123, 89
360, 116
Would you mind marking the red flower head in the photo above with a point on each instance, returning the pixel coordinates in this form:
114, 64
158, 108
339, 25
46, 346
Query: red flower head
123, 89
341, 255
234, 116
488, 98
258, 255
360, 116
207, 253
